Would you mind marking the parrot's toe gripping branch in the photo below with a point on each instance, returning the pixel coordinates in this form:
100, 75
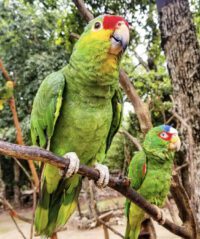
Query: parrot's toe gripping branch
160, 216
74, 164
103, 180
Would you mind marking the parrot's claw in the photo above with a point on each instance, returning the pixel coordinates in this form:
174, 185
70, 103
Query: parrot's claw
103, 180
74, 164
161, 216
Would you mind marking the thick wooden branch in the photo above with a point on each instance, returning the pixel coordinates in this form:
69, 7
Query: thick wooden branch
120, 185
140, 107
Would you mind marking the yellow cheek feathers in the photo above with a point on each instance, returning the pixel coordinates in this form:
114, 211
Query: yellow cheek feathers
103, 35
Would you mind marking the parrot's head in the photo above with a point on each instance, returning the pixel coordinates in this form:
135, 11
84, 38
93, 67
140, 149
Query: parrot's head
162, 140
102, 44
107, 31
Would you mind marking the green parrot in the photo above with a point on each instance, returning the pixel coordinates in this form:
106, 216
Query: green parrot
6, 93
75, 114
150, 172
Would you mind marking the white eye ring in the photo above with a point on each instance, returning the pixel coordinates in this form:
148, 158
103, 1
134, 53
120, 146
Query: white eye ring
163, 135
97, 26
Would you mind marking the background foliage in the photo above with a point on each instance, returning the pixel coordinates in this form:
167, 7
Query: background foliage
35, 40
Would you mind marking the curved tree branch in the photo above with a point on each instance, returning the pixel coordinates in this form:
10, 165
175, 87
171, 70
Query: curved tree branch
141, 109
120, 185
86, 14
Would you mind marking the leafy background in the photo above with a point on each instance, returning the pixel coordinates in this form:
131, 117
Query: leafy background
35, 40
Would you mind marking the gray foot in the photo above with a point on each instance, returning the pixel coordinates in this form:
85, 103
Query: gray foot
103, 180
74, 163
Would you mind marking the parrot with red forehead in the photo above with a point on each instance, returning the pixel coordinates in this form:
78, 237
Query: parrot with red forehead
76, 113
150, 173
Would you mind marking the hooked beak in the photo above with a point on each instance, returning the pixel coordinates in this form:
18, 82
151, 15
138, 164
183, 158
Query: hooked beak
175, 143
119, 39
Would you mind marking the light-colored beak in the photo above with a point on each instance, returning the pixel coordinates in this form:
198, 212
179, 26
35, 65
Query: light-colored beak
175, 143
119, 39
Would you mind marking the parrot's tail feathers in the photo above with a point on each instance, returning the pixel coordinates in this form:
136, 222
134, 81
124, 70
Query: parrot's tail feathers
69, 204
127, 232
66, 210
42, 211
64, 204
41, 219
134, 220
132, 233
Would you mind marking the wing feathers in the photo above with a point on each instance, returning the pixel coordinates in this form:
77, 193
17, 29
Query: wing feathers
46, 108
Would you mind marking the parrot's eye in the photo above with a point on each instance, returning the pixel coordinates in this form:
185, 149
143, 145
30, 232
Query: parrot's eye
164, 135
97, 26
119, 24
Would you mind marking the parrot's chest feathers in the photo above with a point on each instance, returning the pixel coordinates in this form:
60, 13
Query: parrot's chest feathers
97, 75
86, 113
156, 184
82, 128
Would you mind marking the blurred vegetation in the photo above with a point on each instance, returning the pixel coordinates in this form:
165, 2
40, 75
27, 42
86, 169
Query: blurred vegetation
35, 41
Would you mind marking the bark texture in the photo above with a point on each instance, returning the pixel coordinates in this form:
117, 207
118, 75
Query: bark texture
182, 51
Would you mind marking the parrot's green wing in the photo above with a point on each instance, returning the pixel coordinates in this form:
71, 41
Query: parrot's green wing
117, 103
46, 108
137, 169
136, 173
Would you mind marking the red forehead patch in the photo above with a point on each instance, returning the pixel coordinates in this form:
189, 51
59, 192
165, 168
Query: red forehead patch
109, 21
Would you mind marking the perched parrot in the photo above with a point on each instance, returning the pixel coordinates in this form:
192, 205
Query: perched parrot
75, 114
6, 93
150, 173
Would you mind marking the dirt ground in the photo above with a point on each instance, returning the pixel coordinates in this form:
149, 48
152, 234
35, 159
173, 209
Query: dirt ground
9, 231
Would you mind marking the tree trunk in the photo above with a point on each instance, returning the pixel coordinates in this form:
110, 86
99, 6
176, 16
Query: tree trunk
182, 51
